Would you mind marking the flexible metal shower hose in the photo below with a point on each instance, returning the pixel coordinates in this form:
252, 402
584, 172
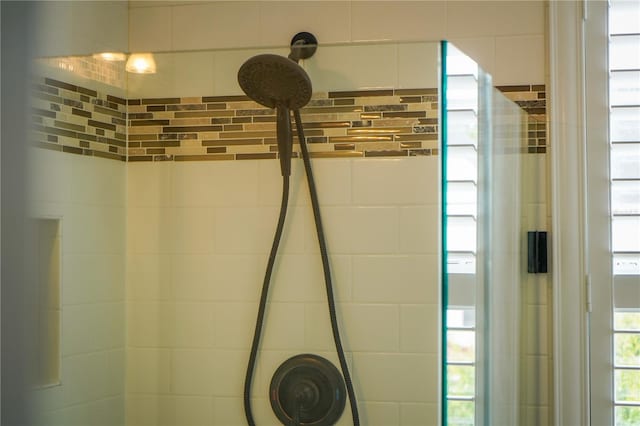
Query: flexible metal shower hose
263, 301
327, 279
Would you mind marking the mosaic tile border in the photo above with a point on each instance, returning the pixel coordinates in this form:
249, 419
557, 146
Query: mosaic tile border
337, 124
77, 120
369, 123
533, 99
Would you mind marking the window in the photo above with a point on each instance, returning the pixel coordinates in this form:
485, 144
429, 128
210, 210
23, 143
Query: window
461, 231
624, 123
461, 367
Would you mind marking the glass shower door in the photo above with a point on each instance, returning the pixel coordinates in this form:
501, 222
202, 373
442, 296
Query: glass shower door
492, 203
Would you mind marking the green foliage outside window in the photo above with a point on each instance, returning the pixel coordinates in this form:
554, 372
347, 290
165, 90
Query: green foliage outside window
627, 353
460, 413
627, 416
461, 378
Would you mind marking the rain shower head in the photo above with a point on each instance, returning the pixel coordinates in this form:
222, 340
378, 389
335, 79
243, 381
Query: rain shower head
277, 82
273, 80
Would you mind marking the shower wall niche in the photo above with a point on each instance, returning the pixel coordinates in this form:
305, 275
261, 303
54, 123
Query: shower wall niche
45, 279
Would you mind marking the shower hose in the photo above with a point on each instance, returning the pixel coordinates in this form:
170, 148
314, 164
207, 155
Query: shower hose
327, 279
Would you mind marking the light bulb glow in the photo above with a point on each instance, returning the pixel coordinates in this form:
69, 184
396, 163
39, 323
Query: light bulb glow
141, 63
110, 56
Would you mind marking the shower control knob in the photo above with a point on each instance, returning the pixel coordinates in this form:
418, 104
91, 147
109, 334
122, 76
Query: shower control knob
307, 390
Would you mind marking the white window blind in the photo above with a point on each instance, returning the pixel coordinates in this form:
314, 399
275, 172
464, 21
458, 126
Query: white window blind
624, 125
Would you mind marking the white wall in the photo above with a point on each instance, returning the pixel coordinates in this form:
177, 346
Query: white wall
65, 28
199, 235
87, 194
506, 38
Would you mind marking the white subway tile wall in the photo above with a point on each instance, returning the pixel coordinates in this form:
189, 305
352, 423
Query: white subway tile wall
195, 327
210, 24
371, 20
515, 56
69, 28
148, 29
491, 30
537, 362
87, 194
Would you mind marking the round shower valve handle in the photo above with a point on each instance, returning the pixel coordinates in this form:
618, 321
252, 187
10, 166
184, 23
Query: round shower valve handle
306, 394
307, 390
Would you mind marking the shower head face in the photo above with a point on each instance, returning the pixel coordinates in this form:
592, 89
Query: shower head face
273, 80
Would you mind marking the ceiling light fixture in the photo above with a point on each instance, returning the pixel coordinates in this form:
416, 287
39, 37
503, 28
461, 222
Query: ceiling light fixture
141, 63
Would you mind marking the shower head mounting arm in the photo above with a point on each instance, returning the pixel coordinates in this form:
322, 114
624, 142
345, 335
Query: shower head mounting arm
303, 46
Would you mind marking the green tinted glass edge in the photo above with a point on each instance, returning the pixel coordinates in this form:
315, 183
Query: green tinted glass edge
445, 273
